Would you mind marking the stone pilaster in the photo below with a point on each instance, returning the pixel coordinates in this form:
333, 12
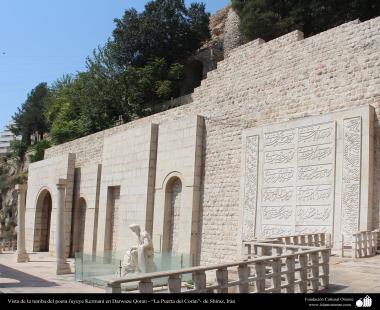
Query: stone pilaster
62, 266
21, 255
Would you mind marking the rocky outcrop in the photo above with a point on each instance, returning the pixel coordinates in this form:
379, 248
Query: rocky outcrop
225, 36
11, 173
232, 37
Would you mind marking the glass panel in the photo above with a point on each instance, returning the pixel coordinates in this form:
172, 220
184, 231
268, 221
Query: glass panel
97, 270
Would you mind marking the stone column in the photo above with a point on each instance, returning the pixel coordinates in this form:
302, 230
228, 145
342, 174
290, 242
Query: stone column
62, 266
21, 255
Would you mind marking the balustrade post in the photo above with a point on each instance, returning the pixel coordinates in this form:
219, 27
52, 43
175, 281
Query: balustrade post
314, 271
316, 240
310, 240
174, 284
290, 276
374, 242
326, 268
260, 274
354, 246
200, 281
303, 273
222, 279
243, 271
146, 286
113, 288
279, 251
359, 245
287, 240
323, 240
255, 250
329, 240
276, 276
295, 240
265, 250
365, 244
303, 241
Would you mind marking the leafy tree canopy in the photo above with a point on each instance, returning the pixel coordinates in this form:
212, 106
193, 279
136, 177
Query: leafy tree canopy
166, 29
140, 66
268, 19
29, 119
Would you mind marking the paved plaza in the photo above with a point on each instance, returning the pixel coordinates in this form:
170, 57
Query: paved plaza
38, 276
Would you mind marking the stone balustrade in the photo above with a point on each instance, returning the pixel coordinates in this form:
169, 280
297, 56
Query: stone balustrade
305, 240
364, 244
8, 245
288, 269
314, 240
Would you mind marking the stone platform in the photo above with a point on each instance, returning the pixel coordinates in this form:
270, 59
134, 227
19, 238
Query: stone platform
347, 275
38, 276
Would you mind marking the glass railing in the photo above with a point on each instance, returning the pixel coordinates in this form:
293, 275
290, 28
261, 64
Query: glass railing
98, 269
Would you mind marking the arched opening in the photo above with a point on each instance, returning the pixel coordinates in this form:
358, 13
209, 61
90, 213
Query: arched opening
193, 75
173, 203
78, 226
43, 222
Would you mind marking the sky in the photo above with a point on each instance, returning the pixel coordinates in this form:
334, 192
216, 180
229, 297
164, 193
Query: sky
41, 40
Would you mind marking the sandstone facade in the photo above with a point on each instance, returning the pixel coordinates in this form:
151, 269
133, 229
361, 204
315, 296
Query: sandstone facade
126, 174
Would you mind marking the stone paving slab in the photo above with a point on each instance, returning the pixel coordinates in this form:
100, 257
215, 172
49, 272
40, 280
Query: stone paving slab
347, 275
38, 276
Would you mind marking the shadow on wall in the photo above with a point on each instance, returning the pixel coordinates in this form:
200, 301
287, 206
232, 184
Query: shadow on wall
193, 76
14, 278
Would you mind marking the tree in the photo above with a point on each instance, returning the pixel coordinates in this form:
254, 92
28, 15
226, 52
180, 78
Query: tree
166, 29
29, 119
93, 100
268, 19
137, 69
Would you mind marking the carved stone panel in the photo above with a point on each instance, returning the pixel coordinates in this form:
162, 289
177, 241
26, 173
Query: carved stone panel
352, 129
250, 195
297, 182
305, 176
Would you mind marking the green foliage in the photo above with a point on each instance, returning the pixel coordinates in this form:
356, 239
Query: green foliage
19, 149
149, 85
30, 119
93, 100
137, 69
165, 29
8, 222
268, 19
3, 182
39, 150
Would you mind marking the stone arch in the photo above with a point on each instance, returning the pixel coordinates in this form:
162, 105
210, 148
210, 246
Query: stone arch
42, 227
173, 187
78, 226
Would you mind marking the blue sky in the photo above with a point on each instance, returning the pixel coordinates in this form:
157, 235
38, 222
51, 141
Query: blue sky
40, 40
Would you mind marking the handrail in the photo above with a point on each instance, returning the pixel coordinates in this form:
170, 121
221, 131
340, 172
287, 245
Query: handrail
298, 251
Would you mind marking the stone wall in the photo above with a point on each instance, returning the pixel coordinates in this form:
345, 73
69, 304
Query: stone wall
310, 175
128, 163
43, 177
260, 84
179, 156
232, 36
87, 184
88, 149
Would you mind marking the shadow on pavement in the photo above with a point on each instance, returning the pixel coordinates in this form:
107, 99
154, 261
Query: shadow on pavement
335, 288
23, 279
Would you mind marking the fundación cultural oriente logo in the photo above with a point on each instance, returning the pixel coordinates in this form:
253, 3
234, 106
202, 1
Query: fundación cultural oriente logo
365, 302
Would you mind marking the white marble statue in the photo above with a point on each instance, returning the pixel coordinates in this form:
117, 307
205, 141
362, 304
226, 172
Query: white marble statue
139, 259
